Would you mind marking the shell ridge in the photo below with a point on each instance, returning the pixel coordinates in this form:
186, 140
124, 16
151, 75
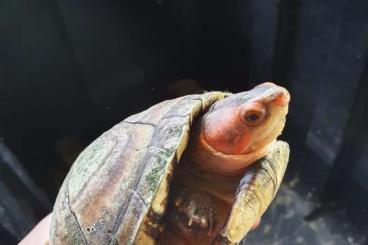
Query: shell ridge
273, 177
247, 180
139, 122
123, 208
135, 193
174, 116
74, 214
83, 188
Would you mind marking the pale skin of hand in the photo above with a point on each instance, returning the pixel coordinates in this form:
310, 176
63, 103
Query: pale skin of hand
39, 235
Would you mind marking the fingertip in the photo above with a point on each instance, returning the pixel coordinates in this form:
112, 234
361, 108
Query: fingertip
255, 226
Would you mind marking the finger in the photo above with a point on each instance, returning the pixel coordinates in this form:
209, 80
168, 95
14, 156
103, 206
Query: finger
255, 226
40, 233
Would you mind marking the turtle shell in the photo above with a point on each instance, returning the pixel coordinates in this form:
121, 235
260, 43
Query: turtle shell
117, 189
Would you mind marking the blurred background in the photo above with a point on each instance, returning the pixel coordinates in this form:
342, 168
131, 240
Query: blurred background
70, 70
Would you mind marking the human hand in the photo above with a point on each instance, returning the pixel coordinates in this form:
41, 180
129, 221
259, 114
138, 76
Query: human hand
39, 235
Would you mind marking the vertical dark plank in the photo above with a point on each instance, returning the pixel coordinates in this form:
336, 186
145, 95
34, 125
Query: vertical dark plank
223, 51
348, 168
41, 98
22, 203
340, 81
307, 33
260, 30
123, 48
321, 50
337, 131
307, 39
347, 183
80, 83
287, 31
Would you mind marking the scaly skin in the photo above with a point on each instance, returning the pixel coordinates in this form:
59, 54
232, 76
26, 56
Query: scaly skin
234, 133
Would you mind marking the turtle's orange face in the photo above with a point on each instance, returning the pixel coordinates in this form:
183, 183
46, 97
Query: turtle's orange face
246, 122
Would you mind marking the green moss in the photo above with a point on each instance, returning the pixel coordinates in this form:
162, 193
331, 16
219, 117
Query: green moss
153, 177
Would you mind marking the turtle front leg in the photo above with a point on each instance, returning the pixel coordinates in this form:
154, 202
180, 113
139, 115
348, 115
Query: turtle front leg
255, 193
194, 213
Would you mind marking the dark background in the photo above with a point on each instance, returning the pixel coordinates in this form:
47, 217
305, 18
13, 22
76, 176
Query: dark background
69, 70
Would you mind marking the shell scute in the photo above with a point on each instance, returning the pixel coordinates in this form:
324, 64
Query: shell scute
126, 172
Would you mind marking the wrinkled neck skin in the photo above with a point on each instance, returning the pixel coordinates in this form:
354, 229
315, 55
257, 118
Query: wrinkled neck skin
212, 161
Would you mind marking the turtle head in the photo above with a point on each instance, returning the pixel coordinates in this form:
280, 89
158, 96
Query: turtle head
246, 122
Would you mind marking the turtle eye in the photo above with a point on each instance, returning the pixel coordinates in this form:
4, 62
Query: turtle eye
254, 117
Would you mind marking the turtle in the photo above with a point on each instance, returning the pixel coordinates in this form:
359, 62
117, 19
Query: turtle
198, 169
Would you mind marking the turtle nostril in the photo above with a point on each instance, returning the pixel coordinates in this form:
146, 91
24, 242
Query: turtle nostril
283, 98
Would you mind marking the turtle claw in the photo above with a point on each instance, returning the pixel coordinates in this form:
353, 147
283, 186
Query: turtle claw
195, 212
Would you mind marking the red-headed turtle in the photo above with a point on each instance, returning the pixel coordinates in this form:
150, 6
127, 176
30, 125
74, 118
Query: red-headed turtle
199, 169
